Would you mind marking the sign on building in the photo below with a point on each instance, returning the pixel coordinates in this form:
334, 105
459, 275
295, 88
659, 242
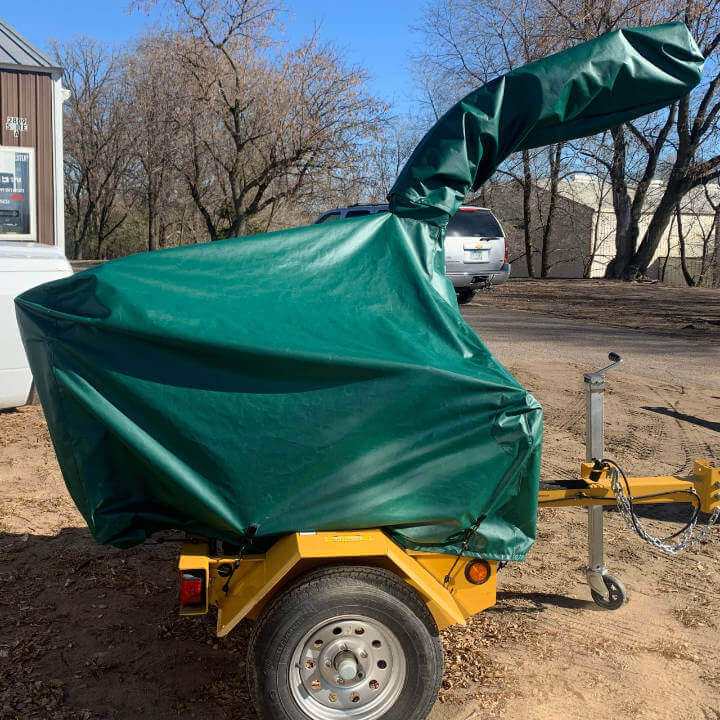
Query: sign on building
16, 125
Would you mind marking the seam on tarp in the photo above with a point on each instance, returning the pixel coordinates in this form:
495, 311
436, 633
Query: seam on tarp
369, 364
418, 204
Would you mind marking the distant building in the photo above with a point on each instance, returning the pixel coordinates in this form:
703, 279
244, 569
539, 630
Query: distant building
583, 238
570, 237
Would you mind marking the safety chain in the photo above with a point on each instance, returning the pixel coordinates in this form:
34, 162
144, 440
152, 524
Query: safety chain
687, 539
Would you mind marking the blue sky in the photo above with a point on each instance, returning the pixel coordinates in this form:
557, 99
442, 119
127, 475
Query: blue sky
374, 33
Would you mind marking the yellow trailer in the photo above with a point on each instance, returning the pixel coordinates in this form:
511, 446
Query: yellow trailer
347, 623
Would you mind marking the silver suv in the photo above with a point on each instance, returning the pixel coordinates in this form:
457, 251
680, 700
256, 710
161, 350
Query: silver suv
476, 250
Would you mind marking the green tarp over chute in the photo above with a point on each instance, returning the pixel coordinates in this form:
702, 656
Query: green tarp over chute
322, 378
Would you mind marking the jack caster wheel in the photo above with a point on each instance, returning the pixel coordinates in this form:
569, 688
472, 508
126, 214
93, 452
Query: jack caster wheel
616, 590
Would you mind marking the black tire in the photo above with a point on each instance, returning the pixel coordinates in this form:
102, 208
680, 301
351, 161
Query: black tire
617, 594
340, 591
465, 296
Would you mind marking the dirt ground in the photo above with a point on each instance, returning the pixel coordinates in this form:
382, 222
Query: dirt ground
93, 632
688, 312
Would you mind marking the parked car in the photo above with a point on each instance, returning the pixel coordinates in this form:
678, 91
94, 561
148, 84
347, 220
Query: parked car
22, 266
476, 251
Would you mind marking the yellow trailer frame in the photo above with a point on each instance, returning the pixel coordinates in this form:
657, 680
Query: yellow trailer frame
333, 669
241, 586
253, 579
594, 488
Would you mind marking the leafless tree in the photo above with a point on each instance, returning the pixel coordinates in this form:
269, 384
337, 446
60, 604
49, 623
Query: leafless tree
154, 95
389, 153
260, 126
703, 237
712, 243
209, 126
696, 156
476, 40
97, 145
467, 43
681, 142
599, 235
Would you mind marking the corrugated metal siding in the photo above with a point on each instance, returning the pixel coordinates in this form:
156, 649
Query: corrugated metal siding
29, 95
674, 275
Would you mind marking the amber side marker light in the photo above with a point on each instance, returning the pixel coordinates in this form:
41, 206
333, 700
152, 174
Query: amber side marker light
477, 572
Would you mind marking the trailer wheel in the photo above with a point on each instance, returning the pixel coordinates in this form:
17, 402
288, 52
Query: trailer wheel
616, 591
345, 642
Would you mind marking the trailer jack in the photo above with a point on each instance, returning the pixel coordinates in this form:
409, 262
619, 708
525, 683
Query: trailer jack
599, 485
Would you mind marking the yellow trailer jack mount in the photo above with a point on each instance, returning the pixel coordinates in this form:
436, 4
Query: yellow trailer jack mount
599, 485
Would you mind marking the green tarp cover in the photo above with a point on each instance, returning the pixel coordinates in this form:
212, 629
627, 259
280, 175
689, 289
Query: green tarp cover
322, 378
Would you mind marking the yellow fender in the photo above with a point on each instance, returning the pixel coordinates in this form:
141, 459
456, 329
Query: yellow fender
257, 577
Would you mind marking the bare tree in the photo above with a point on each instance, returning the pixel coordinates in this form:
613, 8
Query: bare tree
97, 146
259, 126
696, 160
153, 95
555, 163
683, 252
389, 153
582, 20
210, 126
711, 243
681, 141
469, 42
702, 237
599, 235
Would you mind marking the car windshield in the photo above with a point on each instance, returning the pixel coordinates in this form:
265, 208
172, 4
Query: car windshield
476, 223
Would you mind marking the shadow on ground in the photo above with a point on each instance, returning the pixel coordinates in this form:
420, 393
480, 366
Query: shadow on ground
93, 632
682, 417
532, 602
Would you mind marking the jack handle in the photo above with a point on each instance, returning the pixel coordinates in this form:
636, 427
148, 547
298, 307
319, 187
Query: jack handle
614, 359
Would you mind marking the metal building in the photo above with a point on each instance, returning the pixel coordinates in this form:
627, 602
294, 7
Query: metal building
32, 229
31, 161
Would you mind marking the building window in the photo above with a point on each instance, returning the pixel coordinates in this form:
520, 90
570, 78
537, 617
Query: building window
17, 194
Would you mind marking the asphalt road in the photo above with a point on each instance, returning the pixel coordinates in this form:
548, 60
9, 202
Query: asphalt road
514, 336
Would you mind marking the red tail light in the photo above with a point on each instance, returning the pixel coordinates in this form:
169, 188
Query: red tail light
507, 250
192, 589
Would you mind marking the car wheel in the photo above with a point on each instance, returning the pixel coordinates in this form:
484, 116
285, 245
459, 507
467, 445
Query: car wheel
465, 296
345, 642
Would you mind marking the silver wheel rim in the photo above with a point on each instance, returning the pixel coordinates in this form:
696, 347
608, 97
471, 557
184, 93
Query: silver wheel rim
348, 666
